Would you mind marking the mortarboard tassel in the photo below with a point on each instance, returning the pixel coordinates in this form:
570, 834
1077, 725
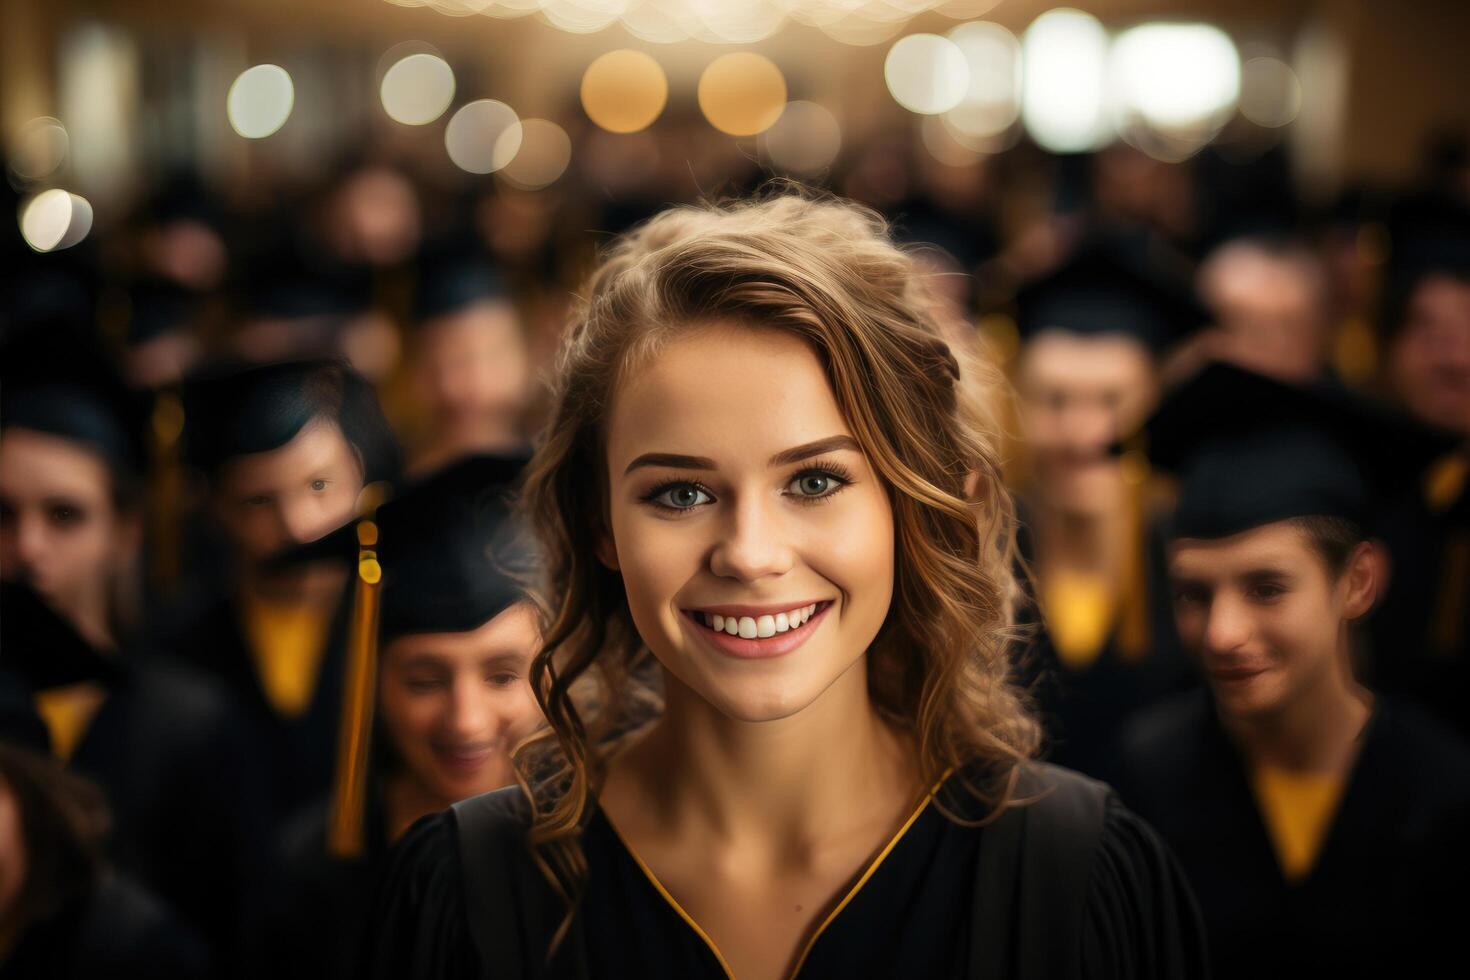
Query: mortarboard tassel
166, 497
349, 791
1133, 625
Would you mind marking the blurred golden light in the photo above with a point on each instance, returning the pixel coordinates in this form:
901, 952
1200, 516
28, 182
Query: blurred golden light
742, 93
260, 101
965, 9
55, 219
805, 140
1270, 92
1175, 75
483, 136
624, 91
737, 23
582, 16
660, 21
40, 148
926, 73
1063, 72
862, 30
417, 89
992, 103
545, 152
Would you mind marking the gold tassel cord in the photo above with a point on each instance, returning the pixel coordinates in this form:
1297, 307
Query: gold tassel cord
345, 837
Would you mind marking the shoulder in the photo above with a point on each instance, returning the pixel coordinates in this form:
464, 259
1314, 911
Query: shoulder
1433, 758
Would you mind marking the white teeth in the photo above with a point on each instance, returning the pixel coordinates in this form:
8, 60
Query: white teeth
765, 626
782, 623
747, 628
717, 622
732, 625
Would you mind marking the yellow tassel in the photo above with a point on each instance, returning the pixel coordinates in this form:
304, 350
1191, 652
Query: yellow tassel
1449, 613
345, 837
167, 492
1134, 634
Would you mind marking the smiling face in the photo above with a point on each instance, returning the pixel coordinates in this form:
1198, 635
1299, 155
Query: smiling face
736, 490
455, 704
1264, 615
287, 496
1078, 395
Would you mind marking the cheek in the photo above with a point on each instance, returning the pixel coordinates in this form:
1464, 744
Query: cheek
410, 717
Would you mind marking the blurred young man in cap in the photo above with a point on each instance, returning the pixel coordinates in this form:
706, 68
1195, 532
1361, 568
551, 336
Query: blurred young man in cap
287, 451
1321, 824
1092, 332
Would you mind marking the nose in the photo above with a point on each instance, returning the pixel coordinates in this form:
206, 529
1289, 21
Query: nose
754, 545
1088, 430
469, 714
31, 541
1227, 626
300, 521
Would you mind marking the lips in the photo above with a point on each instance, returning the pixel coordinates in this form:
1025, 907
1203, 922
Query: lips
466, 760
756, 632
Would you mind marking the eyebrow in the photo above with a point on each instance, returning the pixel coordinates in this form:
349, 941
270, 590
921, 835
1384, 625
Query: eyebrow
783, 458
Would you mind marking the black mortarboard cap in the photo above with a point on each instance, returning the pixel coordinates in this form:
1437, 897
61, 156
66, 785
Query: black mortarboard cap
233, 410
158, 307
452, 551
1427, 236
58, 382
449, 281
1251, 450
1101, 289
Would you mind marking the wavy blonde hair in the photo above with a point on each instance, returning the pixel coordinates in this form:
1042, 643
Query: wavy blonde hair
825, 271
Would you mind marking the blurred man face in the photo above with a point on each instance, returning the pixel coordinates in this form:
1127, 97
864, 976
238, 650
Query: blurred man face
455, 704
473, 364
1264, 614
60, 531
1270, 310
1078, 395
1429, 361
291, 495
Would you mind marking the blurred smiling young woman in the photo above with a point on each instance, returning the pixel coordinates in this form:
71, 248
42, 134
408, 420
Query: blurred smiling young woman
782, 739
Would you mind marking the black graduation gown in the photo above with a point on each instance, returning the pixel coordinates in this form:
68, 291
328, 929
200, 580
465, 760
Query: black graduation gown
316, 923
1420, 632
1084, 710
1128, 912
298, 754
167, 750
115, 932
1386, 896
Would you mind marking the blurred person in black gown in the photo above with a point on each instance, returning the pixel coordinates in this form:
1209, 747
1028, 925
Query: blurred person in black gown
456, 637
1421, 633
754, 610
470, 360
162, 741
1087, 373
1321, 824
287, 451
64, 913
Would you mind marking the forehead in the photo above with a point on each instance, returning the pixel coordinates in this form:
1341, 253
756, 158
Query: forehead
41, 463
723, 390
1059, 358
510, 633
1280, 545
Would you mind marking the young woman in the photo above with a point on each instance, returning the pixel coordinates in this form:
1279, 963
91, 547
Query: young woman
759, 498
457, 636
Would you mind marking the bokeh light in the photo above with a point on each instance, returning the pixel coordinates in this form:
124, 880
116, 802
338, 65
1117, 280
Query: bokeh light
804, 141
55, 219
926, 73
1063, 74
483, 136
965, 9
417, 89
992, 103
1270, 92
624, 91
1175, 76
545, 152
742, 93
40, 148
260, 101
582, 16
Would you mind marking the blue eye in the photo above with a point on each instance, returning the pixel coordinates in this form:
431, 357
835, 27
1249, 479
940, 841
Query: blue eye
680, 496
812, 485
